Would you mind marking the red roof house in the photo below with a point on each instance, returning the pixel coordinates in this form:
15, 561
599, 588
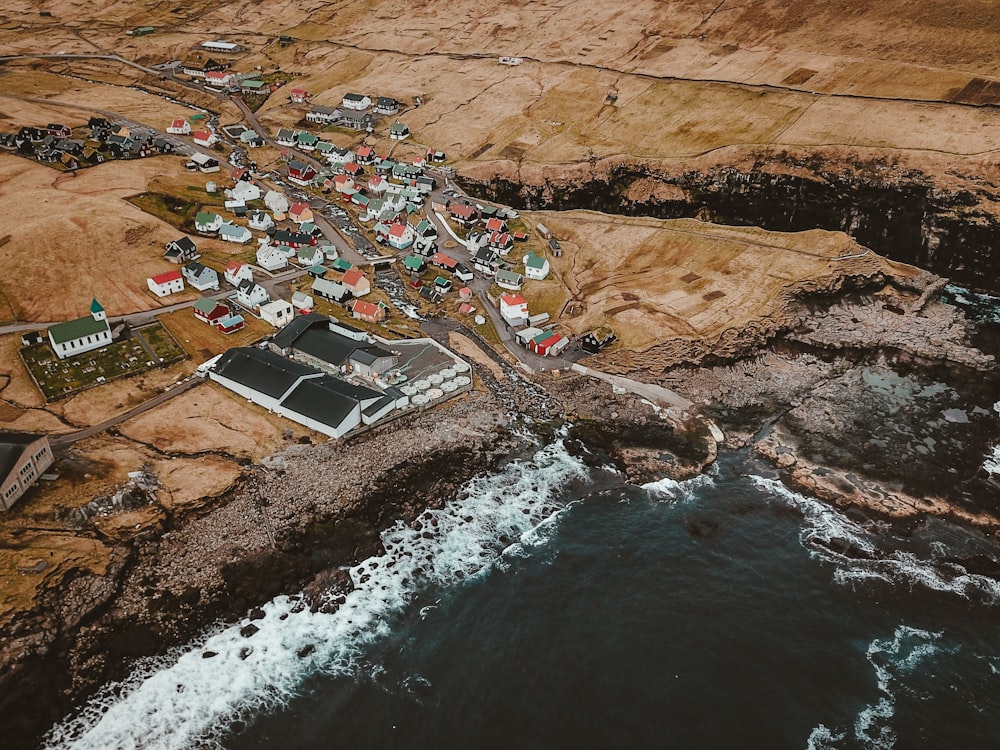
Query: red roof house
356, 282
368, 311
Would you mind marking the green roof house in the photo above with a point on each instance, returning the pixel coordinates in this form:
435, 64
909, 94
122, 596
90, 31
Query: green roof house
535, 266
342, 264
81, 335
207, 222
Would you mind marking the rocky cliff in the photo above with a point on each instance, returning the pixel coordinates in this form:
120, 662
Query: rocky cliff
901, 213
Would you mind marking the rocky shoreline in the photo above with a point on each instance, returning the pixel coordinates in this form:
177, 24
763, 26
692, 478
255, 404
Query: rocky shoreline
821, 404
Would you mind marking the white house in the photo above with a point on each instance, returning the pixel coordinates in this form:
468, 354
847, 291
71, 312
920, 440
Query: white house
278, 313
359, 102
205, 138
81, 335
509, 280
244, 191
401, 236
220, 78
310, 255
179, 126
276, 202
302, 301
513, 308
252, 295
260, 220
235, 233
271, 258
207, 222
201, 277
398, 131
166, 283
237, 272
535, 266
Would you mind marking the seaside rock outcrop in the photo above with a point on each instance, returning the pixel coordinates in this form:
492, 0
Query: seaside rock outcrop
952, 230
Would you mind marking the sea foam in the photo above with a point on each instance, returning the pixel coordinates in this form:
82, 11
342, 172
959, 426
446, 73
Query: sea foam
893, 660
193, 699
826, 531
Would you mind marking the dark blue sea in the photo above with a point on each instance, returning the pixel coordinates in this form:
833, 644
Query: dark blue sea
553, 605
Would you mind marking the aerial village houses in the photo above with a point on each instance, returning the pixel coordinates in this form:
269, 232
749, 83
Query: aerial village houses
367, 311
201, 277
24, 457
205, 138
358, 102
302, 302
235, 233
332, 291
271, 258
181, 250
210, 311
321, 115
509, 280
386, 105
277, 312
300, 173
535, 266
252, 295
356, 282
259, 220
513, 309
236, 272
299, 95
166, 283
207, 222
81, 335
231, 323
179, 126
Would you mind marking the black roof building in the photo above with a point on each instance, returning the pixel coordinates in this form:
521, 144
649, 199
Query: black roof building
262, 370
326, 346
321, 399
285, 338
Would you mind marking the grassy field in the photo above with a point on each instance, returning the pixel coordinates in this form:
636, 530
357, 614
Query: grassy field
59, 378
202, 341
652, 280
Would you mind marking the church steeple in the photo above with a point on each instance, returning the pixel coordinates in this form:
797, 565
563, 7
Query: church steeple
97, 311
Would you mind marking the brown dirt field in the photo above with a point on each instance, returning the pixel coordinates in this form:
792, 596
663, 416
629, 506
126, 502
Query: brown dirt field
15, 382
81, 223
653, 280
95, 405
470, 350
210, 418
54, 555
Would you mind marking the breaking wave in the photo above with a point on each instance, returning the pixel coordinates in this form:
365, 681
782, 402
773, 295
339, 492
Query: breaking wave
893, 660
193, 699
834, 538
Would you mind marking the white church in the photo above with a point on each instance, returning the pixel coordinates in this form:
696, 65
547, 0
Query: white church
81, 335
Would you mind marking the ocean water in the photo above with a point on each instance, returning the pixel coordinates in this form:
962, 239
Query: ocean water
554, 606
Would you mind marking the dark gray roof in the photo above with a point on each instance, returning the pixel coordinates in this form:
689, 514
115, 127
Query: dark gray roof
356, 392
326, 346
261, 370
12, 445
284, 338
321, 399
370, 354
378, 406
184, 243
